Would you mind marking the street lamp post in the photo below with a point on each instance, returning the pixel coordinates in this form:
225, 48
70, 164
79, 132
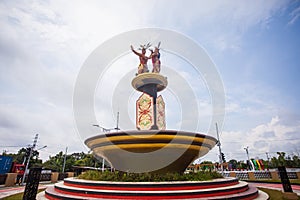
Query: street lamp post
247, 152
268, 160
105, 130
65, 157
220, 151
28, 160
30, 153
42, 148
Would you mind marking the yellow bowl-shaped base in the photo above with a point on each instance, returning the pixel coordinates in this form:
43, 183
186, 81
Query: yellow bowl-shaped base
156, 151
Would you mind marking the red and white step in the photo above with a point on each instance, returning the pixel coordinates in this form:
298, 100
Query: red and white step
225, 188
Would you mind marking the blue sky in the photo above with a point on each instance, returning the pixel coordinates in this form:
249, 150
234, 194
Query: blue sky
254, 45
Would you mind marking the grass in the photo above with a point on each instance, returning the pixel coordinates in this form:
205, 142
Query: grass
147, 177
273, 194
18, 196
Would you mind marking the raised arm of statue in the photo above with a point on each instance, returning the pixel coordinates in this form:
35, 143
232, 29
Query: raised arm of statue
143, 60
134, 51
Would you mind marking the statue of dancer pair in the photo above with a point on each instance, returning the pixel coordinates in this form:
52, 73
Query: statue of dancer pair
155, 56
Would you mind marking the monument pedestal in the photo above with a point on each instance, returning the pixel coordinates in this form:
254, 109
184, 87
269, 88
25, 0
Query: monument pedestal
157, 151
150, 109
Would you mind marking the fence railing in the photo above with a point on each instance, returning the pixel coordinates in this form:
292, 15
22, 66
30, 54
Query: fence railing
263, 175
242, 175
44, 177
256, 175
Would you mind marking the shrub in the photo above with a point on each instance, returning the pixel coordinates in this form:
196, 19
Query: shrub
148, 177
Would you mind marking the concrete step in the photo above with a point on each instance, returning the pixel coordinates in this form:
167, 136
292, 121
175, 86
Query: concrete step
52, 194
251, 193
150, 186
225, 188
240, 190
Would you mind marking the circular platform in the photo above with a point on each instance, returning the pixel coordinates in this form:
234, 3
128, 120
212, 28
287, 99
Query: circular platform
224, 188
144, 79
151, 151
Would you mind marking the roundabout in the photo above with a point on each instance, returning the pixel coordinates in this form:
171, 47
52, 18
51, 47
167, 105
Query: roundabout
151, 149
224, 188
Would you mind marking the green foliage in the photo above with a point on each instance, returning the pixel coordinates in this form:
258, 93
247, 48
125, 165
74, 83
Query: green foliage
92, 175
20, 157
76, 159
206, 165
241, 165
86, 160
147, 177
283, 160
55, 163
234, 163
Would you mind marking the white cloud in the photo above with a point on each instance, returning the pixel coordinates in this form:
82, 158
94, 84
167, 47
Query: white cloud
295, 14
270, 137
220, 23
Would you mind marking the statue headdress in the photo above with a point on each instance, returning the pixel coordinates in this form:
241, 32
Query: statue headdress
158, 45
145, 46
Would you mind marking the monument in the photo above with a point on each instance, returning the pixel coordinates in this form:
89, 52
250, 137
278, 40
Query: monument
150, 148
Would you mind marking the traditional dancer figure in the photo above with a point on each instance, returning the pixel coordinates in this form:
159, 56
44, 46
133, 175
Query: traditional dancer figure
143, 58
155, 55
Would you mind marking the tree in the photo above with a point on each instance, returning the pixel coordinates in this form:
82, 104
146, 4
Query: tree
296, 161
233, 163
242, 165
87, 160
76, 159
22, 156
206, 165
266, 164
283, 160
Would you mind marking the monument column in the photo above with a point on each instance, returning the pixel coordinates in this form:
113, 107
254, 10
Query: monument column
147, 109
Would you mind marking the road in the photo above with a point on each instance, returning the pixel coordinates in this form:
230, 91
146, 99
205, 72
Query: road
276, 186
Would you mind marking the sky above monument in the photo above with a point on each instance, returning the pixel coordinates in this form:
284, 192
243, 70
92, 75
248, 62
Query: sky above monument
255, 46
